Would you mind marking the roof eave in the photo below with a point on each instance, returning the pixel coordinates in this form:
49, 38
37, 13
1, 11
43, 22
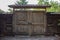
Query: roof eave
29, 6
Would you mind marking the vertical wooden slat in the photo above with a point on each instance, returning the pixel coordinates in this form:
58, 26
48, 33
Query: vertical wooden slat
34, 21
30, 22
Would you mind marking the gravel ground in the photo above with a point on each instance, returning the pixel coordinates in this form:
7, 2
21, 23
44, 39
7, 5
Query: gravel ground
29, 38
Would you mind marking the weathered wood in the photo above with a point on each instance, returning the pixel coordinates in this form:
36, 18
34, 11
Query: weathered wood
52, 23
33, 22
5, 24
35, 19
30, 6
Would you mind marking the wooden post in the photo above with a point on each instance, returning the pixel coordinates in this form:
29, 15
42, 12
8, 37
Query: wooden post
45, 21
13, 24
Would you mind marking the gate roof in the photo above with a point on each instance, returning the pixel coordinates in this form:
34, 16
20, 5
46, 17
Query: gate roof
29, 6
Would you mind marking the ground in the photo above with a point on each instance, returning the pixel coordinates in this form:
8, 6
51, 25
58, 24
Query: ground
29, 38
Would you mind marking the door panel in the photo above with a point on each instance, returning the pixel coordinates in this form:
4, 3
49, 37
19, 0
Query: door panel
29, 22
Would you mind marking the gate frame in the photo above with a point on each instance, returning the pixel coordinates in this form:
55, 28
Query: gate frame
29, 6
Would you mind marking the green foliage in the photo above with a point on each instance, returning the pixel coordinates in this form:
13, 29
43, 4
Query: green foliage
10, 10
21, 2
55, 7
43, 2
1, 11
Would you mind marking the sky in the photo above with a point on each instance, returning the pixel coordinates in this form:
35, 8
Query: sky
4, 3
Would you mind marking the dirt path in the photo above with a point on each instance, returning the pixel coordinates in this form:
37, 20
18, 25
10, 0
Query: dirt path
29, 38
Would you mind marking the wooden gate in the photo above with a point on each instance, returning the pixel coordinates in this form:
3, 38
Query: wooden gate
26, 19
38, 22
29, 22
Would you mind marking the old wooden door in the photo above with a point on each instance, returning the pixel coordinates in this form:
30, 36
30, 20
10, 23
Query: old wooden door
29, 22
20, 23
38, 22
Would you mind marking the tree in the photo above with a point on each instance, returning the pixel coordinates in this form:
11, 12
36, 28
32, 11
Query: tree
43, 2
1, 11
21, 2
55, 7
10, 10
